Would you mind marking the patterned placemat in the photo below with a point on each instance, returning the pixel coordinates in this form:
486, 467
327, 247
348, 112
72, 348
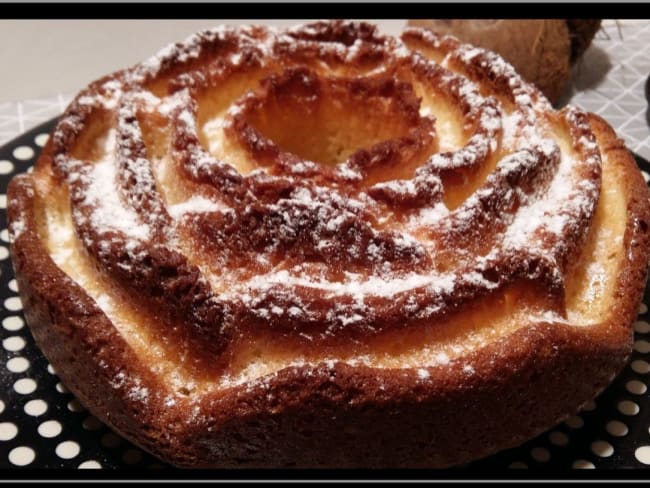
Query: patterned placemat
42, 425
610, 81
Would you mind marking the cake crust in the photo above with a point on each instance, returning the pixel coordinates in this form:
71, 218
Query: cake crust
334, 414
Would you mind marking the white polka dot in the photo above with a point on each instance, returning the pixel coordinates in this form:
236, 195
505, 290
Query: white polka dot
6, 167
643, 454
110, 440
8, 431
2, 406
91, 464
540, 454
13, 323
41, 139
636, 387
60, 387
575, 422
627, 407
25, 386
23, 153
616, 428
50, 369
642, 346
50, 428
518, 465
18, 365
640, 366
4, 235
92, 423
643, 309
3, 200
67, 449
589, 406
132, 456
13, 285
602, 448
75, 406
4, 253
21, 456
13, 304
582, 464
13, 343
35, 407
641, 326
558, 438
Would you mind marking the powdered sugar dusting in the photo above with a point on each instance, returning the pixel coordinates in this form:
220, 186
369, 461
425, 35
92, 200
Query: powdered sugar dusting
324, 250
108, 210
16, 228
196, 204
374, 286
108, 98
568, 197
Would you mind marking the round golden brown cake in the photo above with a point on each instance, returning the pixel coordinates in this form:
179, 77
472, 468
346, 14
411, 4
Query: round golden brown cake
326, 247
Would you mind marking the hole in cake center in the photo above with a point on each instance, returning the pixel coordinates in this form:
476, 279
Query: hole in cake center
326, 120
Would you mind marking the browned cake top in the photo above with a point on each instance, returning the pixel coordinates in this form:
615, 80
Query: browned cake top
323, 188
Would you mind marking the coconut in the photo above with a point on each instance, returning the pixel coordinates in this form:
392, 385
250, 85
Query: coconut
541, 50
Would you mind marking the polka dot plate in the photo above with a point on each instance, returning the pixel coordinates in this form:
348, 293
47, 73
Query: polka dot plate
43, 426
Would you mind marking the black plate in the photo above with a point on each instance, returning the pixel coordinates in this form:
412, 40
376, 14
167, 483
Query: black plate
589, 439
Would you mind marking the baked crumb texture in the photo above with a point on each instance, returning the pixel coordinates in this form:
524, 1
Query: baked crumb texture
326, 247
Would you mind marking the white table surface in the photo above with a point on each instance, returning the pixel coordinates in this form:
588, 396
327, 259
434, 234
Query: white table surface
42, 72
47, 57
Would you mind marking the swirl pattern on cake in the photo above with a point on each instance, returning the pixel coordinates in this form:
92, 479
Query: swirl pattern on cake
251, 201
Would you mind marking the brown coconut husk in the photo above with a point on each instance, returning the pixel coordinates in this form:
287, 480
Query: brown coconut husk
541, 50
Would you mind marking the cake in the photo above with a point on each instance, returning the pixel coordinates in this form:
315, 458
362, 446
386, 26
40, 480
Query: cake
326, 247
